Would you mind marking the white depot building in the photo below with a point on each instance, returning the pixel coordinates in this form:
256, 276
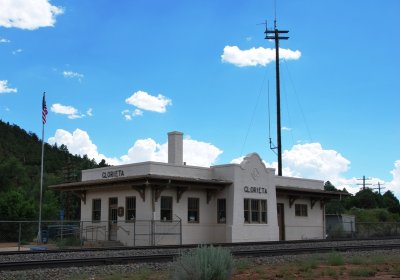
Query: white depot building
154, 203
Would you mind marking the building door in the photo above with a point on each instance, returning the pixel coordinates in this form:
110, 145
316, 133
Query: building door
112, 218
281, 220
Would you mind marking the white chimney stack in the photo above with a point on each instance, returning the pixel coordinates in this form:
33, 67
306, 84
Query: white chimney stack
175, 147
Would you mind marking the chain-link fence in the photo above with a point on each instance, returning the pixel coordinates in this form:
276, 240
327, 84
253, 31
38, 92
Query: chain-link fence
23, 235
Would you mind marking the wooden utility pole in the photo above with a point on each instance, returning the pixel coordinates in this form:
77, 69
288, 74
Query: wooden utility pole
363, 182
379, 188
276, 36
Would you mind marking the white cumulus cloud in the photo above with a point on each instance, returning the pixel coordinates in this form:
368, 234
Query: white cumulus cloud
17, 51
28, 14
72, 75
312, 161
79, 143
89, 112
394, 185
4, 40
146, 150
196, 153
144, 101
70, 111
4, 87
128, 115
255, 56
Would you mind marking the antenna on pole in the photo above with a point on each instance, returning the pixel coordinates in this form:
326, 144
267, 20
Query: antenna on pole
276, 35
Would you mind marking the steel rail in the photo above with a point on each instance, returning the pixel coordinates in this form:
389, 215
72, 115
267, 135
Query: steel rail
157, 258
190, 246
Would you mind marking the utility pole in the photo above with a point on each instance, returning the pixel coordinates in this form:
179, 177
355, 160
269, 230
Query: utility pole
276, 36
363, 182
379, 188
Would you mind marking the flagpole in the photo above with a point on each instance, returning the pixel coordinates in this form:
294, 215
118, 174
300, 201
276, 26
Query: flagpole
44, 113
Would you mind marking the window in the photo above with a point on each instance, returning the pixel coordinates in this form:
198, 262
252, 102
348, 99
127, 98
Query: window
264, 216
246, 211
166, 208
193, 210
130, 205
255, 211
301, 210
221, 211
96, 210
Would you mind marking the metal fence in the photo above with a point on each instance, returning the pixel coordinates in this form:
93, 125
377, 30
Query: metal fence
23, 235
363, 230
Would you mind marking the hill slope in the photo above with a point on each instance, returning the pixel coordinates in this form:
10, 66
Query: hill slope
20, 160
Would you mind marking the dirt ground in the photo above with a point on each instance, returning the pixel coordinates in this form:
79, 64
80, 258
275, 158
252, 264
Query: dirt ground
381, 268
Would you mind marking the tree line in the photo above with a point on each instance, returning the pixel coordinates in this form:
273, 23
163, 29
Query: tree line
20, 161
367, 205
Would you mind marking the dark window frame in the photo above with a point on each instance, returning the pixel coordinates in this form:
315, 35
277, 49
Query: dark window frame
130, 206
96, 210
193, 210
255, 211
301, 210
221, 211
166, 208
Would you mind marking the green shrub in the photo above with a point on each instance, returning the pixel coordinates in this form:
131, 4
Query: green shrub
204, 263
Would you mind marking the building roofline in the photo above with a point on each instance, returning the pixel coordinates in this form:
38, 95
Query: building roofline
309, 192
147, 179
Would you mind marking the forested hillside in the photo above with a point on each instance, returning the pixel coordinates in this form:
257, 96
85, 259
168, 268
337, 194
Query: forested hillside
20, 159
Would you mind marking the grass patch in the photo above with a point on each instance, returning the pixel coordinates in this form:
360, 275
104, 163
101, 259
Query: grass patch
396, 269
356, 260
335, 259
284, 273
329, 271
362, 272
242, 264
377, 259
308, 264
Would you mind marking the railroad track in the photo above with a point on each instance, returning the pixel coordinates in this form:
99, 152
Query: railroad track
168, 257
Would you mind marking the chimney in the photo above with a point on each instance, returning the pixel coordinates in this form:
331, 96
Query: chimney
175, 148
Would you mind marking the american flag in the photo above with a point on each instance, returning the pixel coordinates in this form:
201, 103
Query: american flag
44, 109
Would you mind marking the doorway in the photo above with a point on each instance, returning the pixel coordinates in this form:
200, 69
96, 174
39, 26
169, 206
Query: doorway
281, 220
112, 218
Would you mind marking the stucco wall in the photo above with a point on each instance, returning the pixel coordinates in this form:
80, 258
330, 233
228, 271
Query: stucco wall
297, 227
251, 173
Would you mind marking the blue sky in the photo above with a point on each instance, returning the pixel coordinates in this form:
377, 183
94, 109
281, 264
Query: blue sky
119, 75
